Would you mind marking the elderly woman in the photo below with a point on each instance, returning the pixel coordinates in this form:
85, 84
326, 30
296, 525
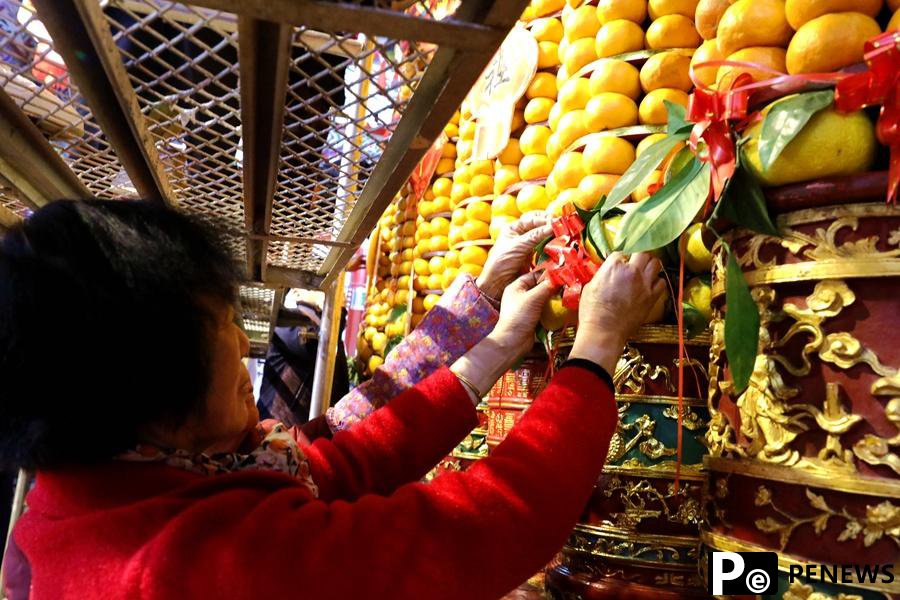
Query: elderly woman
154, 480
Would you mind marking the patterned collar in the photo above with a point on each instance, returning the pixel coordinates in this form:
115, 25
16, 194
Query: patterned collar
277, 451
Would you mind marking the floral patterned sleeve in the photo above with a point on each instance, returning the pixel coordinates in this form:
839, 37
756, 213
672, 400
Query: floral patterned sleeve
461, 319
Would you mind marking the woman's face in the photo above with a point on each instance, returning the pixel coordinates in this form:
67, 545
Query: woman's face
230, 408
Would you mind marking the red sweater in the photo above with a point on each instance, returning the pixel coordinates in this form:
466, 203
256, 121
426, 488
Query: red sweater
149, 531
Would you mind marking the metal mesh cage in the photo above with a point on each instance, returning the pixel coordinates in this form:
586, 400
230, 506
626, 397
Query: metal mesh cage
343, 103
34, 75
183, 65
292, 154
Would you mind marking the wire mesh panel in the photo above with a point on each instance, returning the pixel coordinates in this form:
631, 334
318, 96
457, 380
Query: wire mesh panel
344, 99
256, 302
294, 255
12, 201
35, 76
182, 62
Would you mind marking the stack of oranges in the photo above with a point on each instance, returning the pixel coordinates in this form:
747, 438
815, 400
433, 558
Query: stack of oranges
792, 36
617, 63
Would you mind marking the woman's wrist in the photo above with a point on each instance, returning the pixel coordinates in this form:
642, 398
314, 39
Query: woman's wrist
484, 364
602, 347
490, 286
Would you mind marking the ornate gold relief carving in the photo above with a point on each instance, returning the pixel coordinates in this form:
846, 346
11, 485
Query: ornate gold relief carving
876, 450
632, 372
643, 501
881, 520
823, 256
769, 424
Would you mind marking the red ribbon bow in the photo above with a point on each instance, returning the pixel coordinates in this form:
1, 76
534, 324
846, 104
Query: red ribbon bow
711, 111
568, 265
880, 84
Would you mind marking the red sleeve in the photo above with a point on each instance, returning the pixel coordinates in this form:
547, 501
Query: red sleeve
471, 535
397, 444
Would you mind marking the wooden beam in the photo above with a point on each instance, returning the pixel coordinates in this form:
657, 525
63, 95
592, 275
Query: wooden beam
447, 80
82, 36
264, 54
291, 278
326, 15
29, 162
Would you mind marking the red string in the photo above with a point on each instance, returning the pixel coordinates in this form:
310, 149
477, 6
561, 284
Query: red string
681, 360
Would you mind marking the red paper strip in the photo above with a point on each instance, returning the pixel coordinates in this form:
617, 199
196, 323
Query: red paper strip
568, 265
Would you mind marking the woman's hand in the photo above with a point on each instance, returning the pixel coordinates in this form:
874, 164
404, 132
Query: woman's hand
520, 312
614, 304
512, 337
512, 252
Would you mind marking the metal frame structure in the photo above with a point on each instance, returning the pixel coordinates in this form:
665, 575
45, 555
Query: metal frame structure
225, 109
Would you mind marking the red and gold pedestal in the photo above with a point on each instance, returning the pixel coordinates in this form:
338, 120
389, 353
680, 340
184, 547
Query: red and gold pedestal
512, 395
804, 462
638, 534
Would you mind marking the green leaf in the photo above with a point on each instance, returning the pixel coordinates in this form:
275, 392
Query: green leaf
785, 120
677, 122
539, 251
396, 313
392, 343
595, 233
540, 335
586, 215
639, 170
741, 325
694, 321
680, 161
743, 204
665, 215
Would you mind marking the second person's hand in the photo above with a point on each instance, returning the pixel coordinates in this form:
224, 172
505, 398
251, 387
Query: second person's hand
614, 304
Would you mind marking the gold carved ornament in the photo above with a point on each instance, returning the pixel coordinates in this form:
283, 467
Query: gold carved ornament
881, 520
824, 256
768, 422
641, 500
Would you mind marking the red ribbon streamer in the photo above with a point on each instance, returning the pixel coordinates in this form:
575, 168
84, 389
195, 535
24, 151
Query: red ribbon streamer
568, 265
712, 112
879, 84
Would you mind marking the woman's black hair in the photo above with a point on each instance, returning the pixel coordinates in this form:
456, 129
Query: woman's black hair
103, 327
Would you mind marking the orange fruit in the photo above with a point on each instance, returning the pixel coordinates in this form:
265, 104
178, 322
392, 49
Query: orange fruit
660, 8
538, 110
708, 15
753, 23
653, 110
617, 76
609, 155
629, 10
608, 110
534, 141
707, 52
767, 56
799, 12
542, 86
667, 70
618, 37
830, 42
672, 31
